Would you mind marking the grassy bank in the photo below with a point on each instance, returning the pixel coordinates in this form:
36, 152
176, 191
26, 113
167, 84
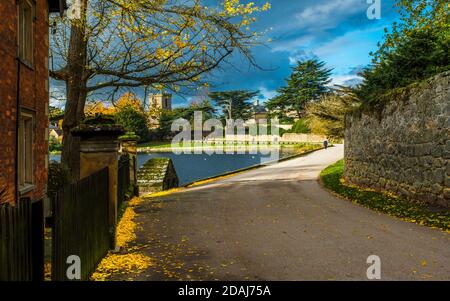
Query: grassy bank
167, 145
156, 144
418, 213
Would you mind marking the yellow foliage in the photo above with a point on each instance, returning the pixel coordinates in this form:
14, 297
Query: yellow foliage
129, 99
48, 271
163, 193
125, 232
235, 8
121, 263
98, 108
134, 202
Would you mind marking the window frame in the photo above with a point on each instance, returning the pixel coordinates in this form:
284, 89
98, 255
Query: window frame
25, 152
25, 48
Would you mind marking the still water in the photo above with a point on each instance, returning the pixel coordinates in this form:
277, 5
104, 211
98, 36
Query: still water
194, 167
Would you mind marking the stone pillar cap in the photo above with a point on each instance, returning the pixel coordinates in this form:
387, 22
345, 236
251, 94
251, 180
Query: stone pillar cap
98, 130
129, 136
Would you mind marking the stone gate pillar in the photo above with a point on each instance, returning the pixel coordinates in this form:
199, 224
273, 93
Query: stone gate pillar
128, 145
99, 148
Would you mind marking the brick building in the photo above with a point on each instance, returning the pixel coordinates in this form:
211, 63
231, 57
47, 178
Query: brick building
24, 96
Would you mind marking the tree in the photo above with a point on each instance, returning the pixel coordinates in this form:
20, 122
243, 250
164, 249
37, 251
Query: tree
204, 106
132, 120
93, 108
55, 113
235, 104
418, 47
99, 107
129, 99
308, 81
115, 45
415, 15
326, 116
164, 130
301, 126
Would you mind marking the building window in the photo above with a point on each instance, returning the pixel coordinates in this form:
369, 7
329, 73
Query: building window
25, 151
26, 12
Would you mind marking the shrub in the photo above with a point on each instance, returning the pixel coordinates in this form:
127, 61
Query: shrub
416, 48
54, 145
326, 116
300, 127
99, 119
133, 120
58, 176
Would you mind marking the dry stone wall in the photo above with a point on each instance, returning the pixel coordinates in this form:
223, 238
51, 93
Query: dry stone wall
405, 148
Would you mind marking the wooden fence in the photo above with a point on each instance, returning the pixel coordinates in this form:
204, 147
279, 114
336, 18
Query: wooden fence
123, 179
21, 241
81, 225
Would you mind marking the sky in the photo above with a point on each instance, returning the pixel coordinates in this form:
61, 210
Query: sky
338, 32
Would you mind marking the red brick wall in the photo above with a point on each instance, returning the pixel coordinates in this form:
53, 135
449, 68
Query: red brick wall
33, 91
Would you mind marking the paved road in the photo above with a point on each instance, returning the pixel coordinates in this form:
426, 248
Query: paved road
278, 223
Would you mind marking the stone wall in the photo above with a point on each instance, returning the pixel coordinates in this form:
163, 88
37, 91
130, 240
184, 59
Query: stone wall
157, 174
405, 148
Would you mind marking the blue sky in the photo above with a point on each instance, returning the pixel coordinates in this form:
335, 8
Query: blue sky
336, 31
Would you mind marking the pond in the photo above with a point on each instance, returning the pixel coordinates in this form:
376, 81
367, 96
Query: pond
194, 167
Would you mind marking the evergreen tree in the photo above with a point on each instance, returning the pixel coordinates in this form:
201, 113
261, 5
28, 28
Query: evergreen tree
235, 104
308, 81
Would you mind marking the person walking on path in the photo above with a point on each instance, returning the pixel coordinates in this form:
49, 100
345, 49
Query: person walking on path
325, 143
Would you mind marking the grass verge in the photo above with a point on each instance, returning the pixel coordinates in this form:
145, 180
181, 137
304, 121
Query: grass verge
161, 145
387, 203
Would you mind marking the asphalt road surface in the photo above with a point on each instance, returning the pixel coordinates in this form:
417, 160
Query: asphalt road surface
278, 223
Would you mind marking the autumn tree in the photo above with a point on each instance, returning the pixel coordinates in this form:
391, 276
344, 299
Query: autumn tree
129, 99
55, 113
326, 116
98, 107
114, 45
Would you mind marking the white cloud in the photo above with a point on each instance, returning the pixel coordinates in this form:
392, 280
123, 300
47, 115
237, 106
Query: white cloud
303, 41
299, 55
266, 93
345, 80
329, 14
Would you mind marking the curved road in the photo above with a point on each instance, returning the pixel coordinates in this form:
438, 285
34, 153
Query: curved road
278, 223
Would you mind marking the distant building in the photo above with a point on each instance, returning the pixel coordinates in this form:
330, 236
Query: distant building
157, 104
56, 133
161, 101
259, 113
